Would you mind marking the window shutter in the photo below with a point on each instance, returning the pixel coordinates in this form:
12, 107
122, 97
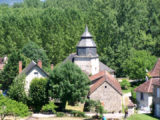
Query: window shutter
158, 92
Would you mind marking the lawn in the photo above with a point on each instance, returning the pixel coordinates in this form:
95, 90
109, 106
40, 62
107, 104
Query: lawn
142, 117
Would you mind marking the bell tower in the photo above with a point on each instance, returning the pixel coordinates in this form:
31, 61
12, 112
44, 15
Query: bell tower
86, 57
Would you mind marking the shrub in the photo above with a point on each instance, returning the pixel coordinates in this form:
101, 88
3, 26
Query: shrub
12, 107
60, 114
78, 113
133, 93
38, 93
49, 107
125, 84
89, 105
17, 91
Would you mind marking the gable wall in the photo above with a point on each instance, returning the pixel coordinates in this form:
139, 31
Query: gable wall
30, 76
147, 100
109, 97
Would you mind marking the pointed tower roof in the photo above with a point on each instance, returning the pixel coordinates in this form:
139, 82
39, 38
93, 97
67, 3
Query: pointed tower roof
86, 39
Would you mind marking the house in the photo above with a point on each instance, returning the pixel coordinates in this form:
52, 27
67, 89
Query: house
156, 98
144, 92
33, 70
104, 86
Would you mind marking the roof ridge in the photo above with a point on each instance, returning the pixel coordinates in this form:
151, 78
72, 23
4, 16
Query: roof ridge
150, 83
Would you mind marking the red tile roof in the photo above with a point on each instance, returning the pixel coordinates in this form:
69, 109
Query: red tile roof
155, 72
130, 104
102, 77
147, 86
157, 82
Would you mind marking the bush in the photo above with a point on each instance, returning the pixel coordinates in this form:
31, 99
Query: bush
38, 93
125, 84
17, 91
133, 93
12, 107
60, 114
78, 113
89, 105
49, 107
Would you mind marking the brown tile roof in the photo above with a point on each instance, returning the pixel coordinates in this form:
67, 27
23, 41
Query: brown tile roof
157, 83
130, 104
102, 77
155, 72
147, 86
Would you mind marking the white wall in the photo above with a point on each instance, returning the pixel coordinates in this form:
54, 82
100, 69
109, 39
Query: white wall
31, 75
95, 66
147, 100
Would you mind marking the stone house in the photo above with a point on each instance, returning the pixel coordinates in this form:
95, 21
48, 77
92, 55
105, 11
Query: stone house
104, 86
144, 92
156, 98
33, 70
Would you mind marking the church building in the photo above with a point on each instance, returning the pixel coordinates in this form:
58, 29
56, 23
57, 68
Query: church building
104, 86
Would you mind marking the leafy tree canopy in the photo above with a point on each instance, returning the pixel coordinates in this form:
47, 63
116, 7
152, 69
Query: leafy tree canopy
68, 83
137, 64
34, 52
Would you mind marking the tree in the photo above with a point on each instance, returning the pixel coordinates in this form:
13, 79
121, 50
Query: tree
125, 84
17, 89
136, 64
34, 52
38, 93
12, 107
68, 83
11, 69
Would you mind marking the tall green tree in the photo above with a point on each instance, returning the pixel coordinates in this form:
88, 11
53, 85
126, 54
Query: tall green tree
11, 69
68, 83
137, 63
34, 52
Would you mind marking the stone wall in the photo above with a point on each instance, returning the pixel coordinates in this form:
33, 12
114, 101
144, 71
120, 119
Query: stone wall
111, 99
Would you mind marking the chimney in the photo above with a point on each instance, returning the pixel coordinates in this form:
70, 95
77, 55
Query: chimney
40, 63
52, 66
20, 67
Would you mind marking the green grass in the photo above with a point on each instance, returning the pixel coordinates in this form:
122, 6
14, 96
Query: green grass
127, 91
142, 117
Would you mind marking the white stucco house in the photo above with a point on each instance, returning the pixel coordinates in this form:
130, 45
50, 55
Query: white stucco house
33, 70
144, 92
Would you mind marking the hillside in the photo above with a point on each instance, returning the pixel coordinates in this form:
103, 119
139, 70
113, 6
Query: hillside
120, 28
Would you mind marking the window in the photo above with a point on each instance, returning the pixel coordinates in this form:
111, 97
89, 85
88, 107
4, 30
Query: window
158, 93
36, 74
105, 86
142, 96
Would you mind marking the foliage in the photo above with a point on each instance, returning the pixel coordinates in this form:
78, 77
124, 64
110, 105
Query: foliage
90, 105
137, 63
60, 114
34, 52
94, 106
78, 113
68, 83
117, 27
133, 93
38, 94
49, 107
11, 69
17, 89
125, 84
11, 107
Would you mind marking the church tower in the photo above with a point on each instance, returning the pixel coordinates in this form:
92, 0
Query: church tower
86, 57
